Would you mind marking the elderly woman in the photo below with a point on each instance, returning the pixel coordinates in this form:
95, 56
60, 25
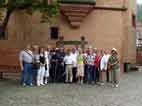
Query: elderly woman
104, 66
114, 67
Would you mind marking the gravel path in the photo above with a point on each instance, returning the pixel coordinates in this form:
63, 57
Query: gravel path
128, 94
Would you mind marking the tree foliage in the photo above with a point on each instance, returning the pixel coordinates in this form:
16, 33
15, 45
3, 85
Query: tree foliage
48, 8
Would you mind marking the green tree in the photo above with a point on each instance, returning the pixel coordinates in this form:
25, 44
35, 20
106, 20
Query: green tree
48, 8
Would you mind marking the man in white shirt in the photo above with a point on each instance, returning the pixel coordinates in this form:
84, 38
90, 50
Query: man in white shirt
69, 64
104, 66
74, 69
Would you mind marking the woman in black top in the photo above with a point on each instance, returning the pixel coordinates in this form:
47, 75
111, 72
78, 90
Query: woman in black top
41, 71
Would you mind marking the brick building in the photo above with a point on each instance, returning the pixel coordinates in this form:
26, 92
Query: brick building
104, 23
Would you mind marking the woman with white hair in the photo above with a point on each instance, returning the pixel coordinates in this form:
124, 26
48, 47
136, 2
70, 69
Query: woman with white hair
114, 67
104, 66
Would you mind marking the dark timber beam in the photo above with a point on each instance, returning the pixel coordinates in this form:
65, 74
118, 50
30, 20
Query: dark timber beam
110, 8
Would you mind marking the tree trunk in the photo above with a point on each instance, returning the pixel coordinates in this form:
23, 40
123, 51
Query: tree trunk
3, 26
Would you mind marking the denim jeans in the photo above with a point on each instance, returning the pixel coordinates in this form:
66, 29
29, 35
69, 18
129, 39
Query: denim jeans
94, 73
91, 73
26, 76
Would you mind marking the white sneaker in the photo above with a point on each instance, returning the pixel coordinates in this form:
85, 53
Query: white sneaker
46, 82
38, 84
81, 82
116, 85
102, 84
42, 84
113, 85
31, 84
23, 84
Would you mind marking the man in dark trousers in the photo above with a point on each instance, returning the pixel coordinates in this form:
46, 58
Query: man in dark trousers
74, 54
53, 67
60, 65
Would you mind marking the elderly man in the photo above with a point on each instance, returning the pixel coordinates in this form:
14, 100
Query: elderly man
69, 61
74, 68
60, 65
26, 60
90, 66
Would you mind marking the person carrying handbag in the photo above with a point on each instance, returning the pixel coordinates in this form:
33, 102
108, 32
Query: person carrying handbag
41, 71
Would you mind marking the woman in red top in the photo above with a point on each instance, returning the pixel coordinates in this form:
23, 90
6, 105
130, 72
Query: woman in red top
97, 64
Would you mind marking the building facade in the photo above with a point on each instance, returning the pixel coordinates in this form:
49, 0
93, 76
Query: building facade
104, 23
139, 43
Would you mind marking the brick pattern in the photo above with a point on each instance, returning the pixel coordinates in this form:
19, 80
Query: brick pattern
103, 29
9, 61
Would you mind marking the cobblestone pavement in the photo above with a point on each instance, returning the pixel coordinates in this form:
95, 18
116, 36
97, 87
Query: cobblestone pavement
128, 94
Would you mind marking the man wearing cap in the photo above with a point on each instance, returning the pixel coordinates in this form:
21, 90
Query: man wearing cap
114, 67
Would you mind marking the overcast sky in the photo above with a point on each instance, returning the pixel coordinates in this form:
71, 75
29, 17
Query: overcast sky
139, 1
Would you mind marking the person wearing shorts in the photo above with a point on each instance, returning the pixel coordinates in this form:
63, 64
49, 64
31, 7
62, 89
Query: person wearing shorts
80, 67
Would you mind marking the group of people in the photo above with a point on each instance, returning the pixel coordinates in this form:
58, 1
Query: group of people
41, 65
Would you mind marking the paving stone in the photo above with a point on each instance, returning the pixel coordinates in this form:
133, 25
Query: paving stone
129, 93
